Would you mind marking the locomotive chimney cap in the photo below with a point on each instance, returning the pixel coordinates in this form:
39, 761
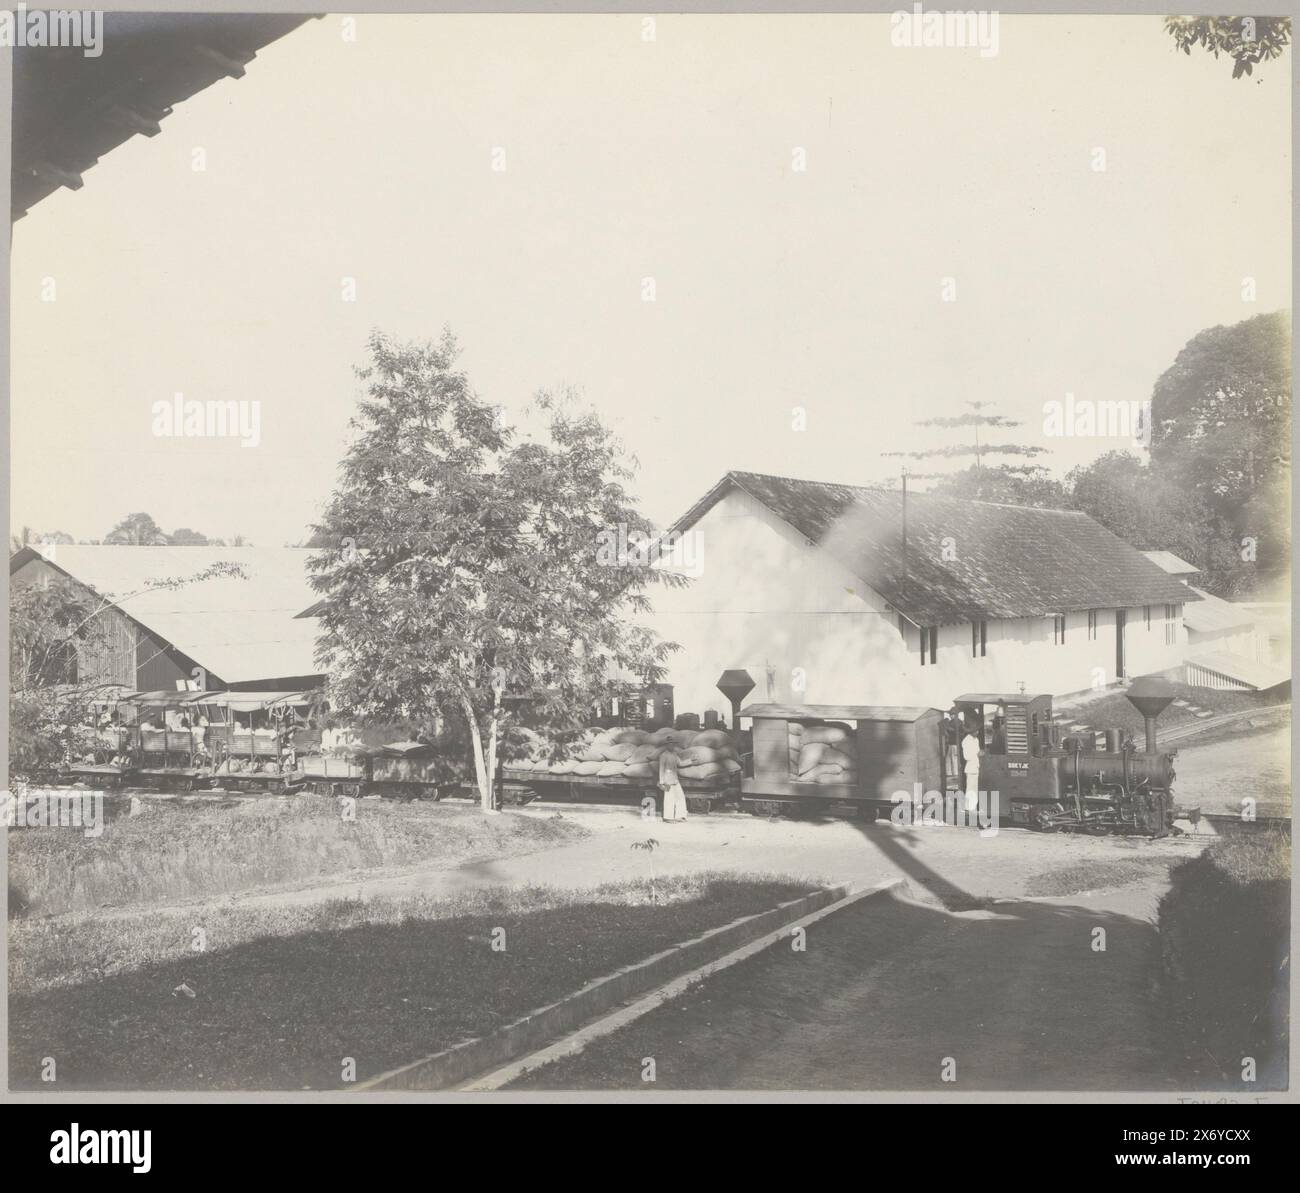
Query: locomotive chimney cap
1151, 695
735, 685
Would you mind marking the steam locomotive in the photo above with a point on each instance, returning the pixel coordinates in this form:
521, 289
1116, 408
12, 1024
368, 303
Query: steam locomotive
1052, 782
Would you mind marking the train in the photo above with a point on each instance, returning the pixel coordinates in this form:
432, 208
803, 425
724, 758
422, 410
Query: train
864, 757
1031, 773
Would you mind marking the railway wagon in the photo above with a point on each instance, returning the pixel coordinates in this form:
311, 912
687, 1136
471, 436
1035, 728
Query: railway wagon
809, 757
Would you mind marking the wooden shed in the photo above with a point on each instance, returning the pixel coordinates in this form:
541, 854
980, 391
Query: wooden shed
892, 749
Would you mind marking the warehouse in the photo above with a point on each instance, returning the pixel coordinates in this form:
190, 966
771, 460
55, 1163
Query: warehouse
839, 594
164, 629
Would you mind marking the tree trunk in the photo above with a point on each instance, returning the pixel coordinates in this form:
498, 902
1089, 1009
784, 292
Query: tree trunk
484, 777
492, 749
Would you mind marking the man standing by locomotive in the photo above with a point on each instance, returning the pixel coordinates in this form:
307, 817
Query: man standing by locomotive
970, 752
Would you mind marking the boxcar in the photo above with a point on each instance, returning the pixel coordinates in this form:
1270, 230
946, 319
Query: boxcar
893, 748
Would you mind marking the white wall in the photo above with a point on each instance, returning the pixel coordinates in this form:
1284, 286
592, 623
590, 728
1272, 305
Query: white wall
767, 601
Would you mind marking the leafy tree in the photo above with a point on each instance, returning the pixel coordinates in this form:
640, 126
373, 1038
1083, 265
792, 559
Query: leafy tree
32, 538
1005, 484
1152, 513
139, 530
1248, 41
465, 566
48, 701
185, 537
1221, 429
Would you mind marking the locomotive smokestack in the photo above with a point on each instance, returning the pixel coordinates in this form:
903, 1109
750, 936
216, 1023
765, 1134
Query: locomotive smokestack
1151, 695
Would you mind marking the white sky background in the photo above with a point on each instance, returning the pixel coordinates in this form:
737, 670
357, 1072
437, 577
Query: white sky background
670, 159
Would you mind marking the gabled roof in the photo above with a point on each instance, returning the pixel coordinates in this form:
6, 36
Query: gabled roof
239, 629
965, 560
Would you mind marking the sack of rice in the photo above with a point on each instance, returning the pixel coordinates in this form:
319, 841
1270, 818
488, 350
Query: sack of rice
588, 767
633, 737
640, 770
731, 765
662, 736
609, 769
849, 778
816, 753
694, 755
646, 753
714, 739
682, 738
564, 767
832, 733
619, 752
704, 770
828, 773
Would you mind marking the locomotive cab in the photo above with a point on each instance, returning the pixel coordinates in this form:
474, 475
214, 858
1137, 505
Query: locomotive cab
1019, 745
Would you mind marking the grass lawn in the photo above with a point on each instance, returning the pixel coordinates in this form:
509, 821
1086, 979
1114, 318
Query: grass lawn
283, 996
1225, 928
177, 850
1098, 874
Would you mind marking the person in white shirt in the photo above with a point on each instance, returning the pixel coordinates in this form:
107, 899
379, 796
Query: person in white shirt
970, 753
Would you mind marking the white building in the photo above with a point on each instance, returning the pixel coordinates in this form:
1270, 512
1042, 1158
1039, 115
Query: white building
822, 596
1228, 644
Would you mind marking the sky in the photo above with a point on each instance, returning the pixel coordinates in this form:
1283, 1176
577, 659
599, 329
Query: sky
775, 289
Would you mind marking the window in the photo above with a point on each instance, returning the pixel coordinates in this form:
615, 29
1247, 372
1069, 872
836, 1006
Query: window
979, 639
1146, 614
1171, 625
1058, 629
929, 643
1092, 625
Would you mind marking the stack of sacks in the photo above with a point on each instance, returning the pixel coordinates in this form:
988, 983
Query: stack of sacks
823, 753
635, 754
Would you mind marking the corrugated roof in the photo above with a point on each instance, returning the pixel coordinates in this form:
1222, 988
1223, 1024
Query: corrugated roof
1171, 563
965, 560
1212, 614
1252, 672
239, 629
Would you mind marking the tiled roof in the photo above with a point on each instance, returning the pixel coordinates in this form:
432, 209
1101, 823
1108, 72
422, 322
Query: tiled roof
965, 560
